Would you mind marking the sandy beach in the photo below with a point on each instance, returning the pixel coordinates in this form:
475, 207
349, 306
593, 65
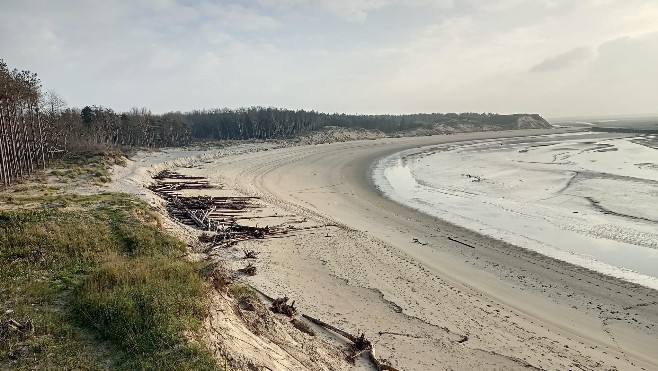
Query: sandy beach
429, 294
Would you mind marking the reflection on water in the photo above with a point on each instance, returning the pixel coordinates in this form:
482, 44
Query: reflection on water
537, 193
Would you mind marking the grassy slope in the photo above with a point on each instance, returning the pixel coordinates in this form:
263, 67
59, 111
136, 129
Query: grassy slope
103, 285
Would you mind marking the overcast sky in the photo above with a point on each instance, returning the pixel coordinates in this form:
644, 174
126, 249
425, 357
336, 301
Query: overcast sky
553, 57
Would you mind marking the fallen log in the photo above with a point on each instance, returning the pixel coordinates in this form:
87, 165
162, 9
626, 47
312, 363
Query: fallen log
340, 332
359, 346
250, 270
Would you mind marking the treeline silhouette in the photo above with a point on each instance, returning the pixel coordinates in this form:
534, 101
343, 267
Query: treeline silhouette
624, 130
37, 125
268, 122
22, 139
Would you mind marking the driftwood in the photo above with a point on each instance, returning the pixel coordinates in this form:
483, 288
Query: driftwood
474, 178
250, 270
168, 174
250, 254
378, 364
458, 241
215, 215
340, 332
360, 344
200, 223
177, 186
207, 237
280, 305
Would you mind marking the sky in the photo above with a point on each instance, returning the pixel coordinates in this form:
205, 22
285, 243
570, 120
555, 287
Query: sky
557, 58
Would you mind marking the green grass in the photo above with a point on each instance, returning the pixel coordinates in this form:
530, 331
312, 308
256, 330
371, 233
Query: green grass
103, 285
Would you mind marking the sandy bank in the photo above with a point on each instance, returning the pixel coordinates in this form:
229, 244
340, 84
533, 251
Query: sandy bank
417, 302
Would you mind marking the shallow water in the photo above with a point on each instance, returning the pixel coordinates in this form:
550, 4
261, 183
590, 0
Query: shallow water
589, 199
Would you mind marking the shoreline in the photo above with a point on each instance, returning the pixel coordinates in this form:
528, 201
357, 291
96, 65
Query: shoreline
414, 300
533, 236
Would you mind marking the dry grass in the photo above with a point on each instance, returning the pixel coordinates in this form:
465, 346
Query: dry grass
87, 166
103, 285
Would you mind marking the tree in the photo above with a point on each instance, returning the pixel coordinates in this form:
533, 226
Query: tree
87, 115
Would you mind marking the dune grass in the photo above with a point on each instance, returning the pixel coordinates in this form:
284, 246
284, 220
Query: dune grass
103, 286
90, 166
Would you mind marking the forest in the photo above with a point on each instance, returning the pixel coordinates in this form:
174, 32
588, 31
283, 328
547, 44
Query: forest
268, 122
37, 125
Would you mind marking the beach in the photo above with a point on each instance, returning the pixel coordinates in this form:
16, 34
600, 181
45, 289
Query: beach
429, 294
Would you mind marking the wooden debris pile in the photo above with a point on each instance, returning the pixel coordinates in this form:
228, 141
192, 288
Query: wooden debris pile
177, 186
168, 174
215, 215
170, 181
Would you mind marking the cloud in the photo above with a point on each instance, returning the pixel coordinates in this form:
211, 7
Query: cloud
235, 17
349, 10
339, 55
353, 10
564, 60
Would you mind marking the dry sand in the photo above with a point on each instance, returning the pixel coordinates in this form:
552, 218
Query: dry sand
431, 306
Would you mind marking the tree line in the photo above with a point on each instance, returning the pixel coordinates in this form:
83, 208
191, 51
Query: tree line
98, 127
268, 122
22, 139
37, 125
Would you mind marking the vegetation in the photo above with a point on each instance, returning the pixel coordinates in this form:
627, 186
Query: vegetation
90, 166
22, 138
624, 130
103, 288
266, 123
